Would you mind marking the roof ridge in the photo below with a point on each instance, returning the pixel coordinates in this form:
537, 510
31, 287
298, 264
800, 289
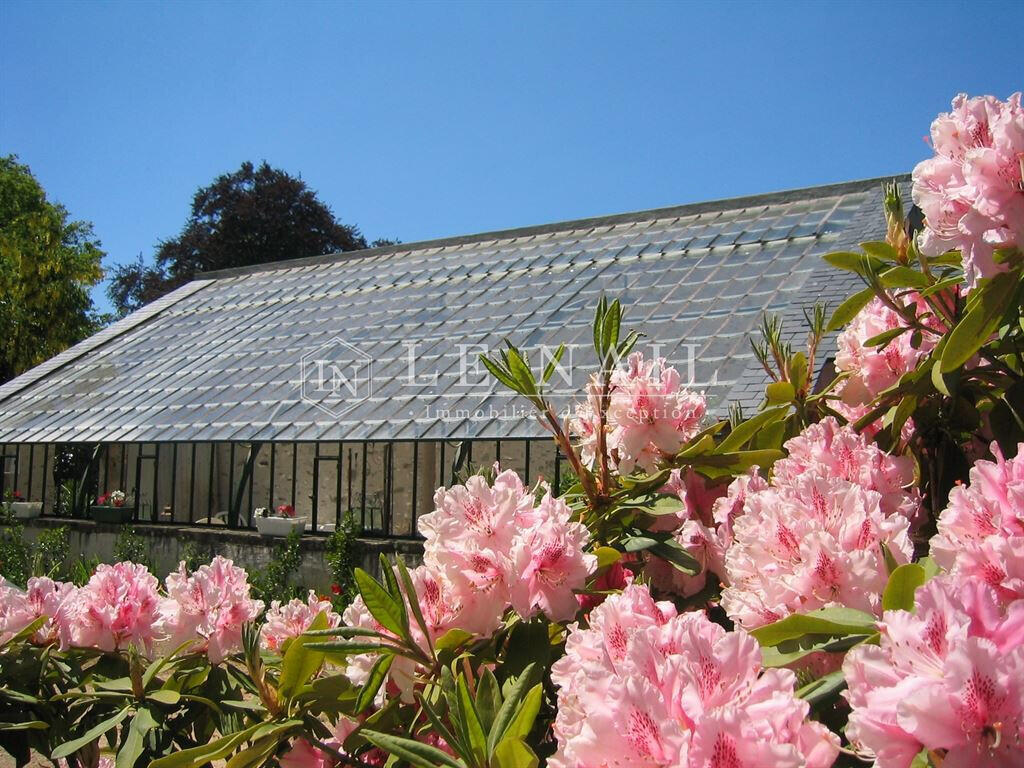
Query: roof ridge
765, 198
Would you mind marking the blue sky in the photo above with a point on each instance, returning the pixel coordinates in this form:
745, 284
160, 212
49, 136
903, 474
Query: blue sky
420, 120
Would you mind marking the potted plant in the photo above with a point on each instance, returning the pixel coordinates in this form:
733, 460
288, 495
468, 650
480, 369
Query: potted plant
280, 522
111, 507
21, 509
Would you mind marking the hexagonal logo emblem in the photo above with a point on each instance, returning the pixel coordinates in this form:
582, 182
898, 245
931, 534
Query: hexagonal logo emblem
336, 377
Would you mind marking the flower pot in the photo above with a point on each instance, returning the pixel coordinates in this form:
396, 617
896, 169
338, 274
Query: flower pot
110, 514
279, 526
25, 510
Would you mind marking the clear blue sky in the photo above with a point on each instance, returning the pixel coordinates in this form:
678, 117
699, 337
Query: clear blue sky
423, 120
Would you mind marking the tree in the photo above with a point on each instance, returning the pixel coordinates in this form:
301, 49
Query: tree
252, 216
47, 266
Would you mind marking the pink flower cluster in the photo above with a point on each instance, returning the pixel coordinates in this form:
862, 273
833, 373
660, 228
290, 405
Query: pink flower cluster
643, 687
121, 606
814, 536
291, 619
488, 546
971, 191
118, 607
948, 677
495, 546
872, 369
981, 531
18, 609
650, 415
210, 606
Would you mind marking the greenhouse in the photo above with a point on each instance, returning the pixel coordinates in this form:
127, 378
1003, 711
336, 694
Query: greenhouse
351, 382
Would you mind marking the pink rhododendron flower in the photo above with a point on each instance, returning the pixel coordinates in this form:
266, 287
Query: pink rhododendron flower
948, 677
981, 531
549, 563
615, 577
15, 611
494, 547
291, 619
650, 415
302, 754
814, 536
644, 687
971, 191
118, 607
210, 606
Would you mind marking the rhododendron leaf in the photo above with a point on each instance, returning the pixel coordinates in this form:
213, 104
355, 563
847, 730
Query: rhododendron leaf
942, 285
499, 373
552, 365
381, 605
931, 568
513, 753
890, 560
468, 722
452, 639
673, 552
414, 604
664, 505
134, 741
848, 310
737, 462
522, 723
922, 759
823, 688
391, 583
900, 589
30, 725
985, 310
514, 696
880, 250
300, 661
903, 277
897, 417
861, 263
378, 674
747, 429
488, 699
528, 645
414, 752
798, 369
884, 338
162, 696
607, 556
786, 653
437, 723
836, 621
94, 733
779, 392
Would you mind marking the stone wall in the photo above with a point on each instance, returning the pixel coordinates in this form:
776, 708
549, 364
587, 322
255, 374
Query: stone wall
246, 548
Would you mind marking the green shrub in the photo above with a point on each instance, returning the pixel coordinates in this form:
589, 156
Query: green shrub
129, 545
52, 549
342, 558
275, 581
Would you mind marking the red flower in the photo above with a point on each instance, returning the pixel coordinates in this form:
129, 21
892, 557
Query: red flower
286, 510
335, 589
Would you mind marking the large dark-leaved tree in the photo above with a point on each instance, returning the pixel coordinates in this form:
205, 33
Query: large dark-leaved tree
48, 263
252, 216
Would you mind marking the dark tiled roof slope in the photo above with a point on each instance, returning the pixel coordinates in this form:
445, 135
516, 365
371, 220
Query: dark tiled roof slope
222, 358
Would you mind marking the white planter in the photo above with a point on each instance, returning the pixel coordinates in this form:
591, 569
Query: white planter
25, 510
280, 526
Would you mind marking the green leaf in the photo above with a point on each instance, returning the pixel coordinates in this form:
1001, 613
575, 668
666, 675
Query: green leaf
382, 606
513, 753
488, 699
499, 373
607, 556
931, 568
861, 263
134, 742
884, 337
510, 707
70, 747
164, 696
985, 311
836, 621
903, 583
880, 250
673, 552
779, 392
414, 603
552, 365
903, 277
922, 759
746, 430
452, 639
823, 688
469, 720
848, 310
28, 725
300, 661
522, 723
378, 674
413, 752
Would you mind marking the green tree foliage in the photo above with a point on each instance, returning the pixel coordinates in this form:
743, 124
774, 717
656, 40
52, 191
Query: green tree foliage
48, 263
252, 216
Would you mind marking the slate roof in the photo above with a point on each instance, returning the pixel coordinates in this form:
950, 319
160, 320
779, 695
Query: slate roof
222, 357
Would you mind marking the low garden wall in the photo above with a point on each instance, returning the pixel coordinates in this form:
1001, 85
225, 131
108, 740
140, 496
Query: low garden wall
248, 549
